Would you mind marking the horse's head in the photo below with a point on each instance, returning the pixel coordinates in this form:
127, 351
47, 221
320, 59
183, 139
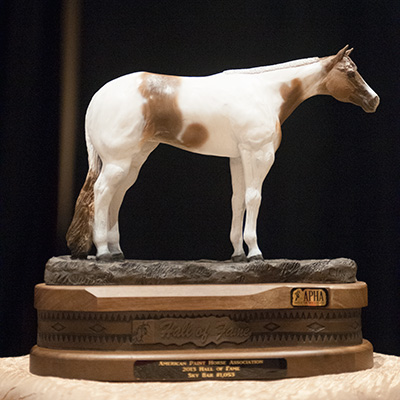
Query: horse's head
344, 83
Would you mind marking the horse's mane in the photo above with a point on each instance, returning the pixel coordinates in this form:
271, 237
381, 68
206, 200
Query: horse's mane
269, 68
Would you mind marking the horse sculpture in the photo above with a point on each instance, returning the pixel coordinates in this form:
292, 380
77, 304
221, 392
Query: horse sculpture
236, 114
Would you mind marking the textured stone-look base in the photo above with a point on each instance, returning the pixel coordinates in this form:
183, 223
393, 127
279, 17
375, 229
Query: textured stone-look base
64, 270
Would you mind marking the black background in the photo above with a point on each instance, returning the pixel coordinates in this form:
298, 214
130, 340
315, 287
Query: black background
332, 192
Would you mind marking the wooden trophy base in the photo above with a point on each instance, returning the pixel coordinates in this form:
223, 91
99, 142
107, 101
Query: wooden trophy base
185, 365
199, 332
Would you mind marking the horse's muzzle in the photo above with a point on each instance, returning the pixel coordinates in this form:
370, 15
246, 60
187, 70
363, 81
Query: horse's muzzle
371, 105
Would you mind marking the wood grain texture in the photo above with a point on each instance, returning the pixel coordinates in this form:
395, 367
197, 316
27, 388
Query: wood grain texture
119, 366
190, 297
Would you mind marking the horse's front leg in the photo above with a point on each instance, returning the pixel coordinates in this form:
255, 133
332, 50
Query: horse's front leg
238, 207
256, 165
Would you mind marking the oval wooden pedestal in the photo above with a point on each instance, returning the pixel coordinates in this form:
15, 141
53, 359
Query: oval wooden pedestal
121, 366
200, 332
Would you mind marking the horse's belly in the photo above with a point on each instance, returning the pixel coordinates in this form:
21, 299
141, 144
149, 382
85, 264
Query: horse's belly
209, 137
207, 127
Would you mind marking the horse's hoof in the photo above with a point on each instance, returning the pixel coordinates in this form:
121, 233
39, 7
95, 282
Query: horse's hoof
239, 258
258, 257
78, 256
118, 256
106, 257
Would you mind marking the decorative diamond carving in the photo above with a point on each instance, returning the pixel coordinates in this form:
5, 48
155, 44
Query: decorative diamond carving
316, 327
355, 325
58, 327
97, 328
271, 326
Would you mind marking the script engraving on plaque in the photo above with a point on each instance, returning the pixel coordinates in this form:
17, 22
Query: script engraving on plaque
186, 370
199, 331
309, 297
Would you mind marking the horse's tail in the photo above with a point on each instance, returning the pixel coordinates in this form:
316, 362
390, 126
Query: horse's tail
80, 232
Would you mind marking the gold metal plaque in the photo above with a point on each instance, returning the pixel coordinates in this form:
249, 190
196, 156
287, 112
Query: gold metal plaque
309, 297
199, 370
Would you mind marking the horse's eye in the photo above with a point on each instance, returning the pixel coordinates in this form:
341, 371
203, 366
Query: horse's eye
351, 74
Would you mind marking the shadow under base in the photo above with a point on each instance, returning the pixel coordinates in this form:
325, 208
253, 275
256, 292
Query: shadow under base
64, 270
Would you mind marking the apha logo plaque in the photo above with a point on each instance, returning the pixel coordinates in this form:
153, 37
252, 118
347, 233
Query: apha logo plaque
309, 297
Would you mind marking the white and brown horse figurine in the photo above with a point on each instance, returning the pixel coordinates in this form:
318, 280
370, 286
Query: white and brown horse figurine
236, 114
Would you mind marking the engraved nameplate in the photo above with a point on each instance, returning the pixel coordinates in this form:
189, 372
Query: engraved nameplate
309, 297
194, 370
199, 331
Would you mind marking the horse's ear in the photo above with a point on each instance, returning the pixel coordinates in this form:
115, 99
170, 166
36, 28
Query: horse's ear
341, 53
348, 52
335, 59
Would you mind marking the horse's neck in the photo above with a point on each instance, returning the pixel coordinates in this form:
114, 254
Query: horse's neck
297, 84
294, 85
309, 75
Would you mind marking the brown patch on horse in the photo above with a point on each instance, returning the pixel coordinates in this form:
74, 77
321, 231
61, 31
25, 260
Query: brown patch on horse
163, 118
292, 96
162, 115
195, 135
79, 235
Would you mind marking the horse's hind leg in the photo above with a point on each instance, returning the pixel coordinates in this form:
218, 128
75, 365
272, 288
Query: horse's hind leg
112, 175
115, 205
